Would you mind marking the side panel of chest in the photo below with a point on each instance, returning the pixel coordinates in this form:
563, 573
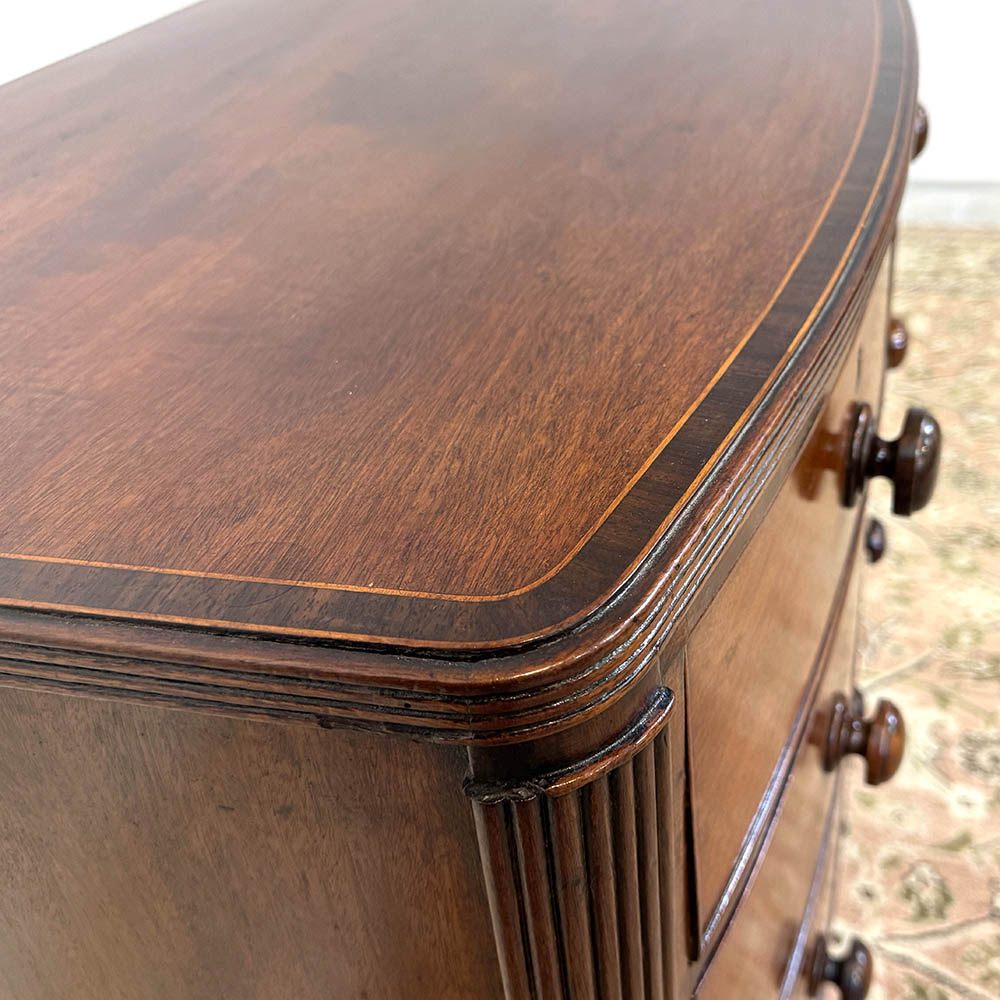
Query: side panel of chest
156, 853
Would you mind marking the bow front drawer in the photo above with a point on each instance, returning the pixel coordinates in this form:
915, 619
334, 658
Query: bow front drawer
752, 658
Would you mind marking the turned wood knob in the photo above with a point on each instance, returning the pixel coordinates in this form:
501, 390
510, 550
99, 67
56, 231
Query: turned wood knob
921, 126
910, 462
881, 739
852, 974
898, 340
875, 540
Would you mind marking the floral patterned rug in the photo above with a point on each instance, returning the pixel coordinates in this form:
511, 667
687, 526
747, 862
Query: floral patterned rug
919, 866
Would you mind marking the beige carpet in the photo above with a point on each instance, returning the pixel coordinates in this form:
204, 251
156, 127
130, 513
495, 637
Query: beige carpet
919, 870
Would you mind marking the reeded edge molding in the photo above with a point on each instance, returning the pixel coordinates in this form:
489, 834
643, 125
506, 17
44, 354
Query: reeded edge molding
825, 277
579, 868
483, 695
490, 700
644, 729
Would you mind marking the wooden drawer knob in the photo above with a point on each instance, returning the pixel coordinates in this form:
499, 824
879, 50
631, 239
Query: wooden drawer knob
852, 974
921, 127
898, 341
881, 739
875, 540
910, 462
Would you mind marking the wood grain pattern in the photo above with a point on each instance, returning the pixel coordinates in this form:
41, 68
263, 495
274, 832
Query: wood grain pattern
763, 947
250, 350
538, 690
151, 854
751, 653
759, 957
428, 369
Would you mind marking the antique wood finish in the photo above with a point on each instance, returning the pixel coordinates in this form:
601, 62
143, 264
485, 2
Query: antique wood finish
780, 850
823, 890
880, 739
769, 949
692, 483
312, 492
582, 868
150, 853
425, 568
910, 461
819, 910
751, 652
761, 956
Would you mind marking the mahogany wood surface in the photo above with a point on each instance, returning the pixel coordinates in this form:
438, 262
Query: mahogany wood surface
442, 408
823, 894
879, 739
582, 869
151, 853
442, 677
755, 958
417, 322
586, 866
760, 954
751, 652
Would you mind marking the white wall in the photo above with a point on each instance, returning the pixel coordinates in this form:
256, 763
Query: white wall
959, 66
34, 33
960, 87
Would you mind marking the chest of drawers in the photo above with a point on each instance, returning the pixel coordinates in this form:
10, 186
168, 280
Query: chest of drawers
436, 442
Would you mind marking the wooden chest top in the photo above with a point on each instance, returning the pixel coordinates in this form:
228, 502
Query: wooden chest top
425, 323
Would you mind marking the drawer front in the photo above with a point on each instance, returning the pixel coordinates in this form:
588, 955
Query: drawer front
818, 913
752, 653
763, 946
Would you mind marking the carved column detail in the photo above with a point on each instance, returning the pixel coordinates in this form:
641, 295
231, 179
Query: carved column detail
577, 867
